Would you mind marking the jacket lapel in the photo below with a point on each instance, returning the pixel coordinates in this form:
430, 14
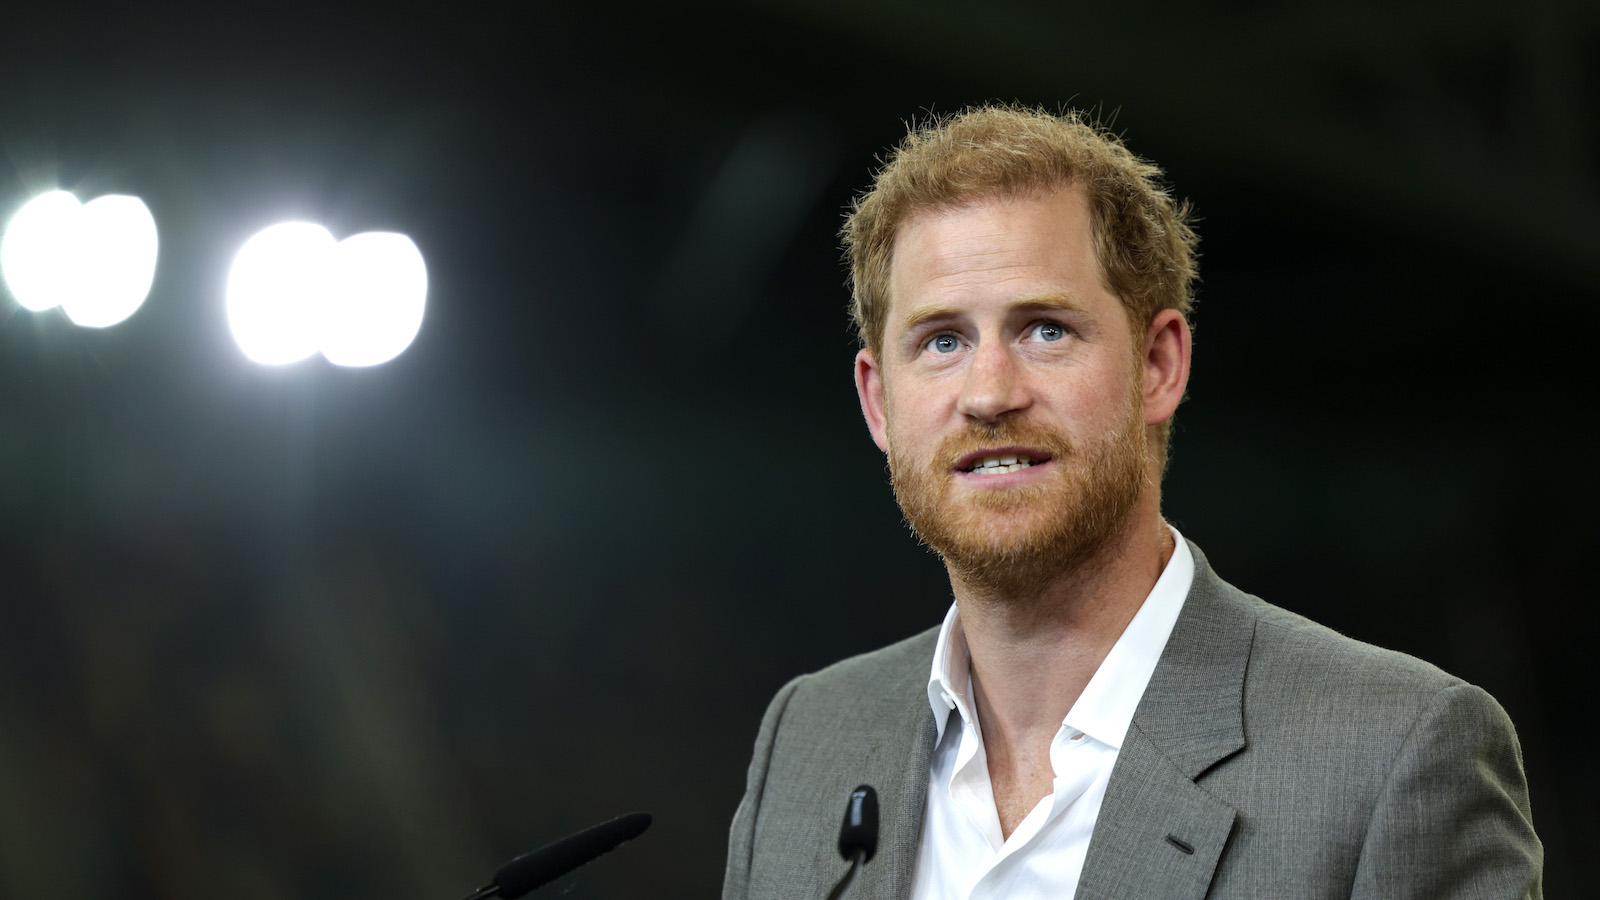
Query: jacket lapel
900, 776
1159, 834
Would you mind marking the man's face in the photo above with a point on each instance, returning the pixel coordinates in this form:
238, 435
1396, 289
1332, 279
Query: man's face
1008, 392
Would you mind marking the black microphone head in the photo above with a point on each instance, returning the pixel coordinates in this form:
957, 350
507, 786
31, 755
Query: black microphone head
859, 834
542, 866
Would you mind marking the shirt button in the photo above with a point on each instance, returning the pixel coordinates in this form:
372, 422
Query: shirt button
947, 700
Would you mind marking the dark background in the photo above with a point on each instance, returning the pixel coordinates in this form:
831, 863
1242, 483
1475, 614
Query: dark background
321, 633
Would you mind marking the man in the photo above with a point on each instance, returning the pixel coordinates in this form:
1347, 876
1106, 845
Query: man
1100, 714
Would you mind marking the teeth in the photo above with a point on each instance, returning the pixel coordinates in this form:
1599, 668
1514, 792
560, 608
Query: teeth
996, 465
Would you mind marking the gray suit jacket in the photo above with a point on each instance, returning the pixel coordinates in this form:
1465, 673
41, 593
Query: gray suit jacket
1285, 759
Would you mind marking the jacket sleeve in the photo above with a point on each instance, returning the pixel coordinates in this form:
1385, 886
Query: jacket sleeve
742, 836
1453, 819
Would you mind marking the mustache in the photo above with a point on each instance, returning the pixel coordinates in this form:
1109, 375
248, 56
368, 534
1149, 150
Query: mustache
978, 436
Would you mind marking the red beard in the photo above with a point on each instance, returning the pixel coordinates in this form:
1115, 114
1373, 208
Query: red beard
1016, 540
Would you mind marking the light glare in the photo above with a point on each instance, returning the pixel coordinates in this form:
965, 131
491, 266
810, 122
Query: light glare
293, 291
375, 309
37, 250
118, 261
96, 261
276, 288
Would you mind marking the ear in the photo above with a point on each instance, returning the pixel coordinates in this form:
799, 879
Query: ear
869, 388
1166, 365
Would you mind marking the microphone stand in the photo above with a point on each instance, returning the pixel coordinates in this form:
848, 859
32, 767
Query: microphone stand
856, 862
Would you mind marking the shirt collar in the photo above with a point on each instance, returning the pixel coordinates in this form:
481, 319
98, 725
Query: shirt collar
1105, 708
950, 683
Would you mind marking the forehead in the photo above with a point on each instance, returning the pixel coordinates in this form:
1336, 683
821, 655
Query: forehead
996, 247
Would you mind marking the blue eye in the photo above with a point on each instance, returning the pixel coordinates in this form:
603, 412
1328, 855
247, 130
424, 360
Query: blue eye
944, 343
1049, 331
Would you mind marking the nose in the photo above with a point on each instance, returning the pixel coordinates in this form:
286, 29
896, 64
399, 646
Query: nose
994, 385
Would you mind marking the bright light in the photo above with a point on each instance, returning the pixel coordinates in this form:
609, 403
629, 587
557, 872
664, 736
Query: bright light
276, 287
96, 261
37, 250
375, 309
294, 291
118, 261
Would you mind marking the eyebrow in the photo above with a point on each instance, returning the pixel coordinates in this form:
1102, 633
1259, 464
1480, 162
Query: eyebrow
1059, 300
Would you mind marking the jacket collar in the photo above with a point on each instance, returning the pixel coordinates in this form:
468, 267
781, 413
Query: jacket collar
1193, 708
1158, 832
901, 780
1190, 718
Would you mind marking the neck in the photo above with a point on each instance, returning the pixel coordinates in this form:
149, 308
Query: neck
1033, 652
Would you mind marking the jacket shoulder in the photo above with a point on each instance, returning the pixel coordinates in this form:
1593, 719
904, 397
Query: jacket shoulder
1356, 767
1292, 652
1292, 656
1410, 779
904, 660
863, 720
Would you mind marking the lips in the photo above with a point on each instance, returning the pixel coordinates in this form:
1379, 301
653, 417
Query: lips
1002, 460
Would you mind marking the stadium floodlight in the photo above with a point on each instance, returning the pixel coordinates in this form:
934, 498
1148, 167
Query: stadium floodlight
375, 309
37, 250
294, 291
276, 287
96, 261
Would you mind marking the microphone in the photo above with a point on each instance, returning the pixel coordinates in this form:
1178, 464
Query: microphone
858, 836
542, 866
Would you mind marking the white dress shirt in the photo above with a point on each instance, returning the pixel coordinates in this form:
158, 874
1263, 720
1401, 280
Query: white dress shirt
961, 855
